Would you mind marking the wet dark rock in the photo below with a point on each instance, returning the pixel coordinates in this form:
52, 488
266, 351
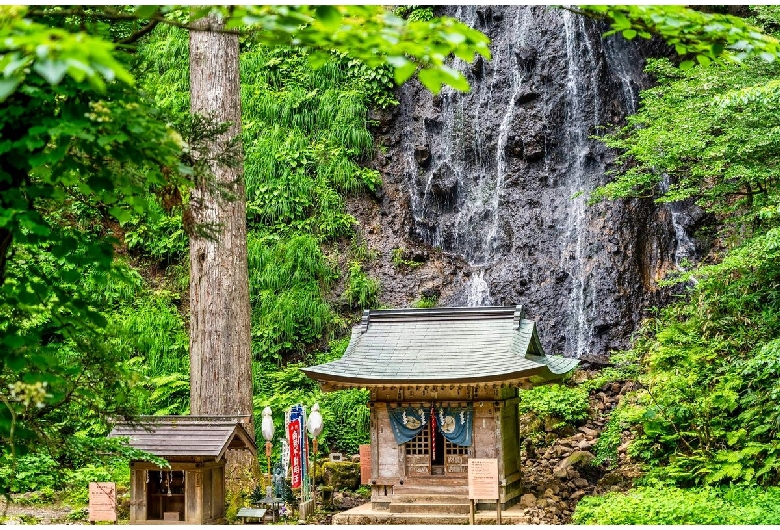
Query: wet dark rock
431, 293
422, 155
527, 97
444, 186
525, 58
491, 179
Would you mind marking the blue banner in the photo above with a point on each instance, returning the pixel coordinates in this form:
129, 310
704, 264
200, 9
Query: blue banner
454, 423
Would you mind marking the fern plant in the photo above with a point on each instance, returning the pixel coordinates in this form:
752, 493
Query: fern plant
362, 291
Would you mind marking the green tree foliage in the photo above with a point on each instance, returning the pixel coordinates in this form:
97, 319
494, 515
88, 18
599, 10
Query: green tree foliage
72, 154
704, 36
706, 412
715, 149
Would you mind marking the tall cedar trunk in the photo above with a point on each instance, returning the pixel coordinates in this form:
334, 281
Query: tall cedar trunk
220, 352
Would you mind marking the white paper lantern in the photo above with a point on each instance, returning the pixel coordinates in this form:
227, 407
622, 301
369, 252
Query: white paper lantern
314, 425
267, 426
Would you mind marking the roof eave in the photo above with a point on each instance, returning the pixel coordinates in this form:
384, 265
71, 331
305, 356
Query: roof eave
243, 434
542, 372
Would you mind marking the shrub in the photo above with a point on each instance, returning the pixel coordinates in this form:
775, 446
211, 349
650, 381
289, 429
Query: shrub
623, 417
77, 481
425, 302
34, 471
569, 404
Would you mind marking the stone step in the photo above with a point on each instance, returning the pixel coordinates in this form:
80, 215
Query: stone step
429, 508
432, 489
437, 481
428, 499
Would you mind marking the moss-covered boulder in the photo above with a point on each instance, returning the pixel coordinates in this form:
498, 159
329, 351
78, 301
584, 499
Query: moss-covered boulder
341, 475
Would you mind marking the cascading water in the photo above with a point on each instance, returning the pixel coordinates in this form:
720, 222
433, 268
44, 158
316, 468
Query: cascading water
685, 248
492, 178
469, 159
577, 124
477, 290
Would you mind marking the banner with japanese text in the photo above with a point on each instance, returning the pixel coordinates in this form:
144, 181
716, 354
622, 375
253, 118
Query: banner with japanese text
294, 438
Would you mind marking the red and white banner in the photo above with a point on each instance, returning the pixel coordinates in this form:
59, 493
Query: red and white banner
294, 437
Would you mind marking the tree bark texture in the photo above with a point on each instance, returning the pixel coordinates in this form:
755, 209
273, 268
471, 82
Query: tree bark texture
220, 341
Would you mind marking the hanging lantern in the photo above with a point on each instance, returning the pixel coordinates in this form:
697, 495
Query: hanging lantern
315, 424
267, 425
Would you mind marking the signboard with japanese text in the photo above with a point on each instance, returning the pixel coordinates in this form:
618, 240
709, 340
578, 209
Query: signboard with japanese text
102, 501
483, 478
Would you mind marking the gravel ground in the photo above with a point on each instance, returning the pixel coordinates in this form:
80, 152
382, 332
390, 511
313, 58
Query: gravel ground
47, 514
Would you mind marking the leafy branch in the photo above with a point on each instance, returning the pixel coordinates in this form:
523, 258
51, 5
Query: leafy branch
705, 36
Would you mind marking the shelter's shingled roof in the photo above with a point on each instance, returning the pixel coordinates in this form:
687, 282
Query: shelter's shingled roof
443, 345
197, 436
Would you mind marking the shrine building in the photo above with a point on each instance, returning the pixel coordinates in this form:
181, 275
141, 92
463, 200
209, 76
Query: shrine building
444, 388
191, 490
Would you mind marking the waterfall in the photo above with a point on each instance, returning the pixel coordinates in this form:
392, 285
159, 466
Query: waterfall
623, 61
477, 290
576, 124
471, 159
494, 177
685, 246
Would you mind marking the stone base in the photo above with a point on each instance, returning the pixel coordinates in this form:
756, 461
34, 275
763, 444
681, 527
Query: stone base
365, 514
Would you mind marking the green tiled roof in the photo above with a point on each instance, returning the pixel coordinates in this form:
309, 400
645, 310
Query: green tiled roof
442, 345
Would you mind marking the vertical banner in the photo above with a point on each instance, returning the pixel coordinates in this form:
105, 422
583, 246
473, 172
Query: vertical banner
433, 433
294, 438
299, 449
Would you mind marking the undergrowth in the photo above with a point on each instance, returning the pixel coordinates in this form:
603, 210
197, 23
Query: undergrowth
560, 403
656, 505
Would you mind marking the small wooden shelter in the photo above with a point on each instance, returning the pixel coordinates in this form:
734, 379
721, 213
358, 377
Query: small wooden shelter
458, 369
192, 490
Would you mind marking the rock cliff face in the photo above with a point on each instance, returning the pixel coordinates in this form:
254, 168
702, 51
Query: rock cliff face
488, 189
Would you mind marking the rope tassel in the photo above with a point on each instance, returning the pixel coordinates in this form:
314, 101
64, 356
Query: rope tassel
433, 433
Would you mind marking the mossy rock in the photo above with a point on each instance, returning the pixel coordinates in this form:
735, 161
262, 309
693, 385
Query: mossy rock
341, 475
326, 496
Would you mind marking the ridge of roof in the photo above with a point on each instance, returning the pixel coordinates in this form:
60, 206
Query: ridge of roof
440, 313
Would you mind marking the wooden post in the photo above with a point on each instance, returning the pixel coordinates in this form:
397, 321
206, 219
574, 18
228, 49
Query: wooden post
498, 511
268, 447
471, 511
314, 476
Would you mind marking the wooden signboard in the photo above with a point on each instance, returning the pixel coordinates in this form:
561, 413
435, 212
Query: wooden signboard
365, 464
102, 501
483, 484
483, 478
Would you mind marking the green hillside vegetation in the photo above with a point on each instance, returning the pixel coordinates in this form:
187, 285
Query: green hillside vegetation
706, 413
305, 133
